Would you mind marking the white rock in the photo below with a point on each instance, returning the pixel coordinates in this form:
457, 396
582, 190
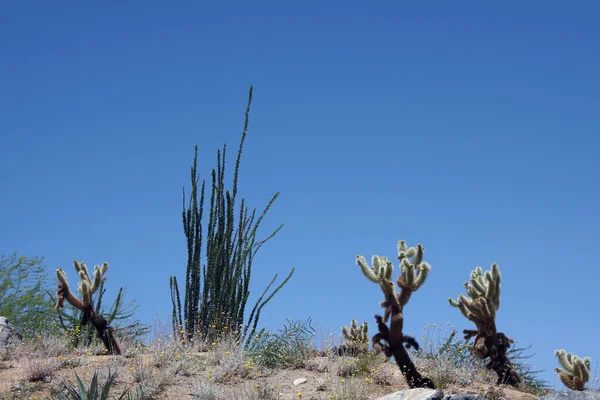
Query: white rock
299, 381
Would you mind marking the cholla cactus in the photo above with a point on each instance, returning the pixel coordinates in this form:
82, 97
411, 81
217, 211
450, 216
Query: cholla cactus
481, 308
577, 370
484, 293
414, 273
87, 287
356, 339
357, 334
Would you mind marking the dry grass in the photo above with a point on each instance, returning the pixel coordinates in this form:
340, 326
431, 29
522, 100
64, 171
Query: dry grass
39, 369
165, 368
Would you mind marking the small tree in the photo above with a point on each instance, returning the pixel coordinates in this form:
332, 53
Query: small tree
87, 288
414, 273
22, 300
481, 308
216, 293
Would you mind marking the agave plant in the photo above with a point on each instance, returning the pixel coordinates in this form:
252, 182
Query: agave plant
95, 392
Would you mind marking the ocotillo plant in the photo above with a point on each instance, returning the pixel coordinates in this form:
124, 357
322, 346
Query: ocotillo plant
414, 273
216, 293
87, 288
481, 308
577, 370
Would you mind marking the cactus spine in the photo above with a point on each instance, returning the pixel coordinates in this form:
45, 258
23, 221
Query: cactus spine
577, 370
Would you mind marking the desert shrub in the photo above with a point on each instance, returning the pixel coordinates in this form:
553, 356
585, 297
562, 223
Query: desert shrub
23, 282
346, 367
447, 354
287, 347
318, 364
256, 391
38, 369
351, 389
207, 391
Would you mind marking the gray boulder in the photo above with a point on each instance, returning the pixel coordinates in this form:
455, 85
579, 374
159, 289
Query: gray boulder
428, 394
573, 395
464, 397
9, 336
414, 394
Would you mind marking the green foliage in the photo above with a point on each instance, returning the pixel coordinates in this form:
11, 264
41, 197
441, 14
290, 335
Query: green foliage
22, 300
95, 391
216, 293
287, 347
518, 359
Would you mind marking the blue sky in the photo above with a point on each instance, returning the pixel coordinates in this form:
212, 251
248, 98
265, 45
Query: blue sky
468, 127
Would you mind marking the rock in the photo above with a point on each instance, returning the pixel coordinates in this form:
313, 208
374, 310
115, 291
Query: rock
414, 394
9, 336
464, 397
572, 395
299, 381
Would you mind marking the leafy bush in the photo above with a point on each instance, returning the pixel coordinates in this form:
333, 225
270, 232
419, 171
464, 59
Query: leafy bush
288, 347
22, 298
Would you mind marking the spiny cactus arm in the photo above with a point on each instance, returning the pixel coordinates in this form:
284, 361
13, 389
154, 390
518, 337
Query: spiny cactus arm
98, 273
493, 287
484, 293
476, 310
414, 273
363, 332
356, 333
381, 269
380, 273
64, 293
84, 289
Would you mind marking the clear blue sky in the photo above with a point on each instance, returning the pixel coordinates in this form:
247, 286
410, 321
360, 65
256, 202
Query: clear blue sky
468, 127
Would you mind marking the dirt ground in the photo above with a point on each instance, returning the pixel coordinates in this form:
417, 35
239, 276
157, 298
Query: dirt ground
320, 380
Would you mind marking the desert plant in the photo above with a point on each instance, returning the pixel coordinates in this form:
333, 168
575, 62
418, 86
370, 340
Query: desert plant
95, 391
481, 308
577, 370
287, 347
216, 294
119, 315
22, 301
356, 339
38, 369
414, 273
87, 288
